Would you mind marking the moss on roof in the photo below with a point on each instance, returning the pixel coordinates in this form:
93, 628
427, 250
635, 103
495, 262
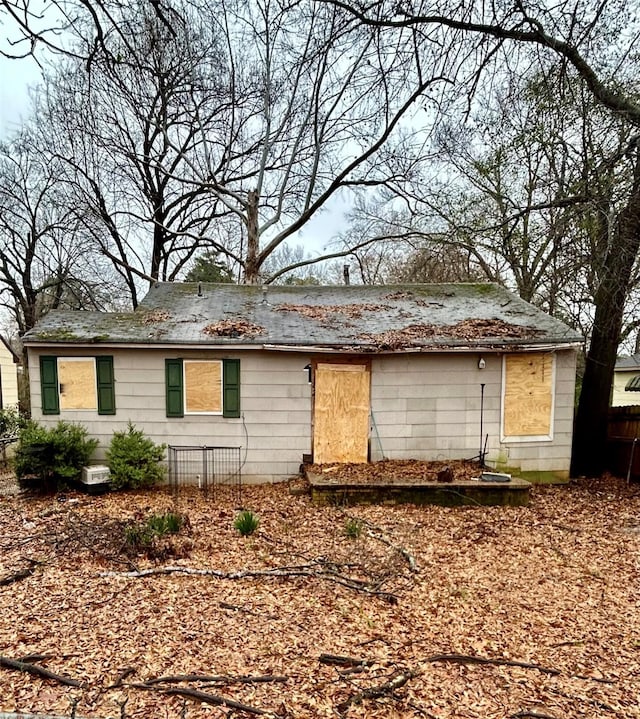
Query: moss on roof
341, 317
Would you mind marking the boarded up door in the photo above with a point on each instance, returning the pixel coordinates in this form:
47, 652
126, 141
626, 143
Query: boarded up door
341, 413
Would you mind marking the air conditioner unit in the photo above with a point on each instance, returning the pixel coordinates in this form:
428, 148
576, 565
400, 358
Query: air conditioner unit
95, 479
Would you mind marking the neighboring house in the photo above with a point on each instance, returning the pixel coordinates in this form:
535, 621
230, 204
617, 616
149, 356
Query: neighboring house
345, 373
626, 382
8, 376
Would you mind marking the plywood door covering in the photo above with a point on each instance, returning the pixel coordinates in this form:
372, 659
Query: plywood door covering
341, 413
528, 394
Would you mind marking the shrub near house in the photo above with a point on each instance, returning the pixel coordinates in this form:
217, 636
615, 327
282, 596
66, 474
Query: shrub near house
48, 458
134, 460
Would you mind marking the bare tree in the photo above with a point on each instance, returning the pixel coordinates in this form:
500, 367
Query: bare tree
595, 41
42, 264
128, 135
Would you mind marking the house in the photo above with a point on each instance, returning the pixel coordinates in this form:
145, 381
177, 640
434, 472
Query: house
342, 373
626, 382
8, 376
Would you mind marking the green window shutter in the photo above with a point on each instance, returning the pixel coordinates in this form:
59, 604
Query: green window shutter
174, 390
231, 388
49, 385
106, 385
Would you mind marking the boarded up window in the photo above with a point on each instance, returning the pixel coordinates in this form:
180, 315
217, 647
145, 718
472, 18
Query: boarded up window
203, 386
528, 395
77, 380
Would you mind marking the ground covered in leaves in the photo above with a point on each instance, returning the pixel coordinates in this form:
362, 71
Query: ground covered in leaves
391, 471
324, 612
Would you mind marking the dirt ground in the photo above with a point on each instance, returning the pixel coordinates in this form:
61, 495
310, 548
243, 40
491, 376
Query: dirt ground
489, 612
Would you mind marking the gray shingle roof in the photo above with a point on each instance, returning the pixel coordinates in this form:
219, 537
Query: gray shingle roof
630, 363
357, 317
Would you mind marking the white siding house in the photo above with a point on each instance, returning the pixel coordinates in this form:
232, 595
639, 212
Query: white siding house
8, 377
337, 373
626, 382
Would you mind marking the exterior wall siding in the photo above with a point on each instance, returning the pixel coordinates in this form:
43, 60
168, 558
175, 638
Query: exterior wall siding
274, 429
620, 397
424, 406
9, 378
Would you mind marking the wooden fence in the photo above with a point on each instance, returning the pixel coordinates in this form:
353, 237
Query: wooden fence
624, 430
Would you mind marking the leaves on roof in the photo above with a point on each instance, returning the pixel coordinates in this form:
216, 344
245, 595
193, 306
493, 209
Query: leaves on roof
472, 329
155, 315
323, 312
233, 328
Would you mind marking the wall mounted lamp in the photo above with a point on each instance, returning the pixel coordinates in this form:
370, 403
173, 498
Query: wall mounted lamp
481, 363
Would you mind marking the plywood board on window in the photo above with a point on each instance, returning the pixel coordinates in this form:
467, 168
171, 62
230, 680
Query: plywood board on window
203, 386
528, 395
341, 413
77, 380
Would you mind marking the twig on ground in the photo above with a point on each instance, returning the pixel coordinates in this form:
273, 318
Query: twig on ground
20, 574
466, 659
221, 679
377, 533
398, 679
38, 671
212, 699
336, 660
594, 702
316, 570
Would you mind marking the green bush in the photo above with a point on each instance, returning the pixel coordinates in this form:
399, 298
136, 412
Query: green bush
11, 422
246, 523
145, 537
353, 527
134, 460
47, 459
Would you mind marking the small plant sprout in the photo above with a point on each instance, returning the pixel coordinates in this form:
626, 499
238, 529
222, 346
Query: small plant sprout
246, 522
353, 527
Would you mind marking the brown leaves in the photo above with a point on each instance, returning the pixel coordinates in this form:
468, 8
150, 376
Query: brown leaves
395, 470
157, 315
325, 312
233, 328
552, 586
472, 329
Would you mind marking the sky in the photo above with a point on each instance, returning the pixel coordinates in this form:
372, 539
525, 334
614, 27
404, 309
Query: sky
16, 76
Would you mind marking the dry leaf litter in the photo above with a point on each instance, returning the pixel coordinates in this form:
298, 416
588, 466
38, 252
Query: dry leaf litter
552, 588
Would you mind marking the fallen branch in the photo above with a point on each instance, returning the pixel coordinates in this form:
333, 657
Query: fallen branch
377, 533
336, 660
38, 671
222, 679
398, 679
20, 574
317, 570
466, 659
212, 699
244, 610
595, 702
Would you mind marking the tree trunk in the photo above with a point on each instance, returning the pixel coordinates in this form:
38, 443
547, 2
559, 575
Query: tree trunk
590, 436
251, 265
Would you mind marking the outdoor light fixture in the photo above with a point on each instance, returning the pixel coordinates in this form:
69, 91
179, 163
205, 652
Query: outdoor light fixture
481, 363
307, 369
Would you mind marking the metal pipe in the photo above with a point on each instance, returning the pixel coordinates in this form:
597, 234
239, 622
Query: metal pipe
480, 454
